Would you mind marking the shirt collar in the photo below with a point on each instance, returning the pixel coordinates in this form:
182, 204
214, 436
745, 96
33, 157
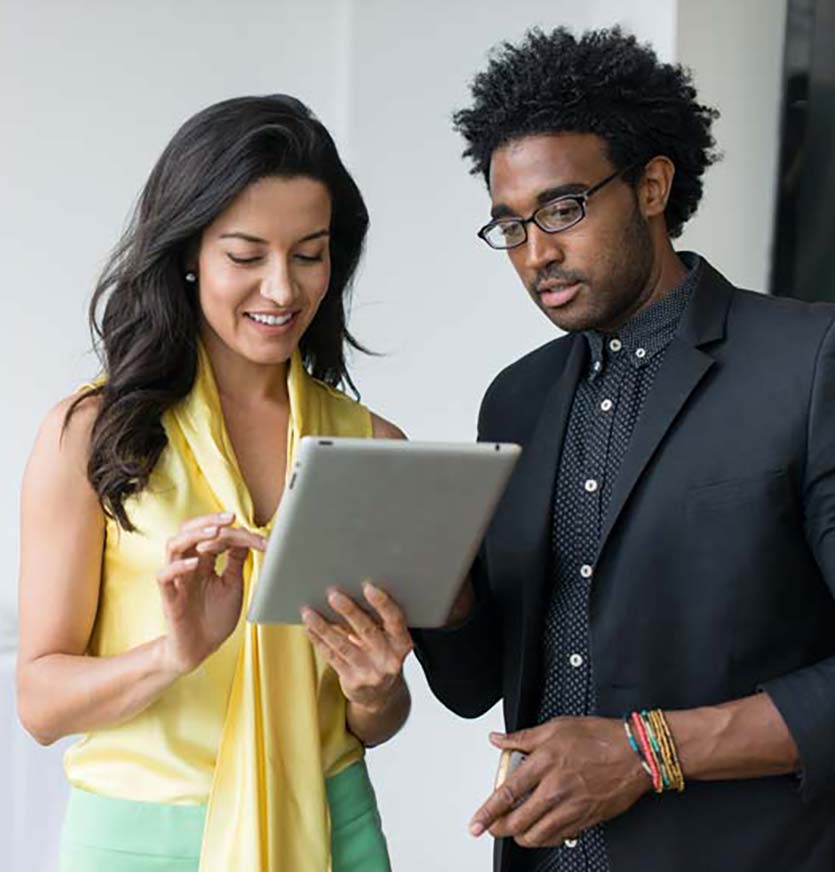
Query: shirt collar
651, 330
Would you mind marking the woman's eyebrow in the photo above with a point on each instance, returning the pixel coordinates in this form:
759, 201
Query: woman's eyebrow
248, 237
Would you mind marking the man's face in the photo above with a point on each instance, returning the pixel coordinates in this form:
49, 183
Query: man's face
596, 274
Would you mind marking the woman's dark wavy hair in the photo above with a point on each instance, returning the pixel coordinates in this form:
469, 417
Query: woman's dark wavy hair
144, 316
603, 83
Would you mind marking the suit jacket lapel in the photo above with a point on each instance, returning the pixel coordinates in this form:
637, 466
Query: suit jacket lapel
684, 366
532, 496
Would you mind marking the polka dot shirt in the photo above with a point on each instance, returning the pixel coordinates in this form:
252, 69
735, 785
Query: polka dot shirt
607, 404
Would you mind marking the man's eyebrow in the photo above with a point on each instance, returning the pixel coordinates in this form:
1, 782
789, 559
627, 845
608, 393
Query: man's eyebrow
502, 210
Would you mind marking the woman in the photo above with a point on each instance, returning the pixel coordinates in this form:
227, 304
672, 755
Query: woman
208, 742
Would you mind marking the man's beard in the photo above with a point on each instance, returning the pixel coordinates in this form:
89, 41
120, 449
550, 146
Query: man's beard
620, 294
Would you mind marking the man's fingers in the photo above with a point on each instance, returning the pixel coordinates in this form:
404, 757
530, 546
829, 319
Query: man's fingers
525, 815
504, 797
523, 740
551, 830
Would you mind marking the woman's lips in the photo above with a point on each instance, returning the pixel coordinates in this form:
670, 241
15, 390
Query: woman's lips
558, 295
273, 329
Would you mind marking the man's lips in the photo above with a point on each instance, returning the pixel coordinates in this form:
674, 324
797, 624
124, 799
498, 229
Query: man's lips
552, 295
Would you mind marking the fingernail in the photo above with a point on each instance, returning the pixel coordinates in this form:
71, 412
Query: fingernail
226, 516
210, 531
497, 737
476, 829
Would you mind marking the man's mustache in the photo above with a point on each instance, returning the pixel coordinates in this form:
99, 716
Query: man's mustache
557, 275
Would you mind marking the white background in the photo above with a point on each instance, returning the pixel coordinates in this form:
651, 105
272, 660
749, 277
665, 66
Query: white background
91, 92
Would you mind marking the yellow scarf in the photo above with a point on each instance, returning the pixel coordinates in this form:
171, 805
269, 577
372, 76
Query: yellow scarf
268, 807
283, 730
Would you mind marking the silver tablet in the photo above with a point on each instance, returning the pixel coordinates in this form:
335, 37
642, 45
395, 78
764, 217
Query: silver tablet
408, 516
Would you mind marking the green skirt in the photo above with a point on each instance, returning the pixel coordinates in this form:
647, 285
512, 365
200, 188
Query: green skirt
120, 835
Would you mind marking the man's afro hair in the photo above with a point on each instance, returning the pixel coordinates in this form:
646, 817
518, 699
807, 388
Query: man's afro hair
605, 83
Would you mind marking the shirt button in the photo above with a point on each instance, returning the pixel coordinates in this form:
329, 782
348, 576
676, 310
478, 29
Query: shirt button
641, 353
615, 345
597, 366
606, 405
576, 660
590, 486
570, 843
586, 571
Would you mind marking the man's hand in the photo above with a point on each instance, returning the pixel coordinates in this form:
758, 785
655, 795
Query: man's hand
578, 772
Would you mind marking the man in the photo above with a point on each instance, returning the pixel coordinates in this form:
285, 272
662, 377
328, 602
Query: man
667, 541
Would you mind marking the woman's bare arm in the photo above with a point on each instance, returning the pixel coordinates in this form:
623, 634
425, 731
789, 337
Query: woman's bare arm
60, 688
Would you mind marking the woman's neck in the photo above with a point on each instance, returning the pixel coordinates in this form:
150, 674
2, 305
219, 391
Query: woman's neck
244, 381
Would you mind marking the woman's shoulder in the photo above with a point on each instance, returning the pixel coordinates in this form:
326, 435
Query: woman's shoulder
383, 429
58, 462
380, 427
67, 427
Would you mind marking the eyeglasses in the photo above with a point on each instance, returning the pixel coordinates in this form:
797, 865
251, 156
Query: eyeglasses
553, 217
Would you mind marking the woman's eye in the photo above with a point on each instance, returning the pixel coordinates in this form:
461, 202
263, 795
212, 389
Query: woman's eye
243, 260
309, 258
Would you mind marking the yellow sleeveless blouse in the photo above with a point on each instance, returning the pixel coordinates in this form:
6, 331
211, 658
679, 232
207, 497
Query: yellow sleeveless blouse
255, 730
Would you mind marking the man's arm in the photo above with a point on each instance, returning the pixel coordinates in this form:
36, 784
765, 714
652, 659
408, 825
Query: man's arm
806, 698
581, 771
462, 661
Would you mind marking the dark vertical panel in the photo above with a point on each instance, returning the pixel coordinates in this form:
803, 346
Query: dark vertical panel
804, 245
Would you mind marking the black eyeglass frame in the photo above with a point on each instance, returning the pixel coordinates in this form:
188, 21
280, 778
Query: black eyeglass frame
580, 199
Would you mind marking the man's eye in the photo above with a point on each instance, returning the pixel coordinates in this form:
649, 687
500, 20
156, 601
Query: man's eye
564, 211
510, 230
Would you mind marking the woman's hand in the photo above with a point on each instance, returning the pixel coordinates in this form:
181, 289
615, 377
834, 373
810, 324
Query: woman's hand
201, 607
368, 653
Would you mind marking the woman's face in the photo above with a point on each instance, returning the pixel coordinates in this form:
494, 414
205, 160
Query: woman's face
264, 267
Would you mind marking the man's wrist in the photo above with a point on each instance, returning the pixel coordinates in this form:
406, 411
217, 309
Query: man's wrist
640, 780
746, 738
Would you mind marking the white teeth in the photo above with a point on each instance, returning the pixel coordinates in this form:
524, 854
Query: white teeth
272, 320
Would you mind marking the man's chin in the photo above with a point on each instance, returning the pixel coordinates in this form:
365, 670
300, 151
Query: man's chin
570, 321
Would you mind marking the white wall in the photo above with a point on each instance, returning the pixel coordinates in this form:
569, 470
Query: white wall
92, 90
736, 53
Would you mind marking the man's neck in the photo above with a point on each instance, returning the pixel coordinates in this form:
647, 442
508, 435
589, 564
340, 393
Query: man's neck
668, 273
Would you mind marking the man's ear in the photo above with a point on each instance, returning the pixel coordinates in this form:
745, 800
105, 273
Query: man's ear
654, 186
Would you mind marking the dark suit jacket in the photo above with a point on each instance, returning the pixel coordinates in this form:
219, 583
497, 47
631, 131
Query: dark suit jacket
715, 575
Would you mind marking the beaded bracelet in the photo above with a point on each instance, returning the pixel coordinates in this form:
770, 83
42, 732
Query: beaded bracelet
650, 738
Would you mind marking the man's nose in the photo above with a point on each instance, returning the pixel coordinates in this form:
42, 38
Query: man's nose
542, 248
